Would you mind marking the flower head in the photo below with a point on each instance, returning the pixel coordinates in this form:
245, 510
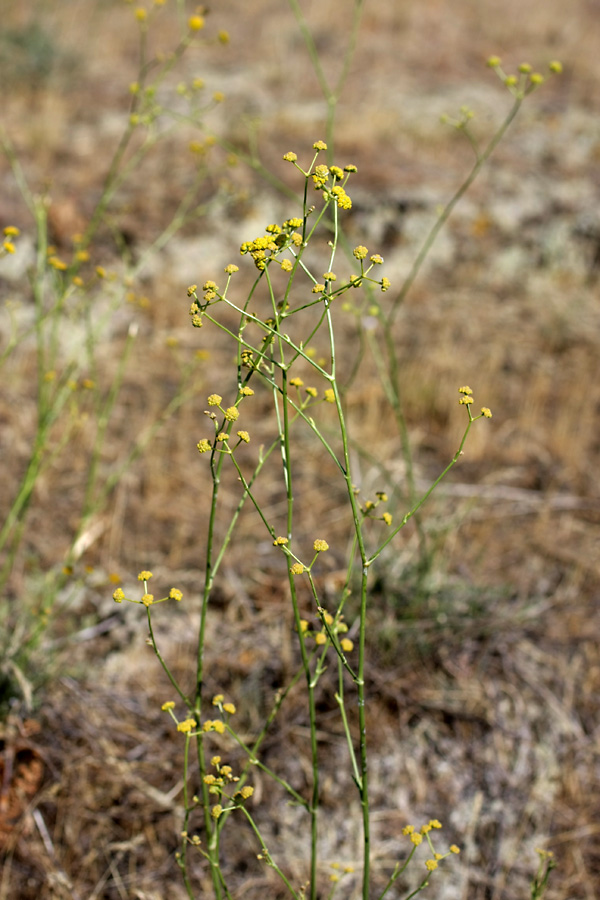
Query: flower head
186, 726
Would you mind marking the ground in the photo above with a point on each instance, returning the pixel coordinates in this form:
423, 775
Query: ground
483, 672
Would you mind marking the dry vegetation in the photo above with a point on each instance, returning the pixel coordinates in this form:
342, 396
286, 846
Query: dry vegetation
484, 673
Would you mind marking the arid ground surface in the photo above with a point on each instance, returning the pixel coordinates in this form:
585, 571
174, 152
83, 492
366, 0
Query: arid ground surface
484, 677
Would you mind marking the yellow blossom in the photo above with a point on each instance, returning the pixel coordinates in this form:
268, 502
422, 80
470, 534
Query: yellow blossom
144, 575
170, 704
346, 645
175, 594
195, 23
320, 546
297, 569
431, 864
186, 726
330, 395
321, 638
118, 595
148, 599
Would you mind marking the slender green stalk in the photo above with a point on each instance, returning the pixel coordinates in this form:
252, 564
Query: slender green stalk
331, 93
448, 209
427, 493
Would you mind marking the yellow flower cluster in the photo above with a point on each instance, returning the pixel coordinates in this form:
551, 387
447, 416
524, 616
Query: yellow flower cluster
10, 232
527, 80
467, 400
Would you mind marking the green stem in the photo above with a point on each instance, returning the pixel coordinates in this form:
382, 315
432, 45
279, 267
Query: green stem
448, 209
426, 495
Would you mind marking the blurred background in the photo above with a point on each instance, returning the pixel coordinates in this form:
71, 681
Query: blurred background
484, 671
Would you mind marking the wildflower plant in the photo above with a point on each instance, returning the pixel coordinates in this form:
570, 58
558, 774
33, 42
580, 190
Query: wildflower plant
74, 289
305, 278
274, 358
304, 282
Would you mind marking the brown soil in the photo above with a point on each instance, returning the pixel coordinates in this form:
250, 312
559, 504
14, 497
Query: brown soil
483, 673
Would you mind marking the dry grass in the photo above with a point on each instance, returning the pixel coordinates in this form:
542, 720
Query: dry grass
484, 677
